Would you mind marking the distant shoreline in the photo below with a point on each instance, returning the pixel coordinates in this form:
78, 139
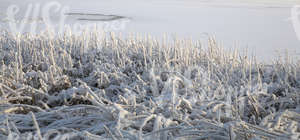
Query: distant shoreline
260, 4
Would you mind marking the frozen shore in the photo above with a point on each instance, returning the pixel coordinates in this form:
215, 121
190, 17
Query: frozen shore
261, 26
98, 86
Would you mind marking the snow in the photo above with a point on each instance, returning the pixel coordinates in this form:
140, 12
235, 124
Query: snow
262, 26
98, 85
104, 87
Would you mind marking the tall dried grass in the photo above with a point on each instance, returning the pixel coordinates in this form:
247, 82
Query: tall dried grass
101, 86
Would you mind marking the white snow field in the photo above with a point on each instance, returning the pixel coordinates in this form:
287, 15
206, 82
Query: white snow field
99, 85
261, 26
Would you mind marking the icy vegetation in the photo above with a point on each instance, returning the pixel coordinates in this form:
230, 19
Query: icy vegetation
101, 86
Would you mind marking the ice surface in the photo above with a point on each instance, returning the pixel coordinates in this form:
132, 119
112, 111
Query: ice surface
262, 26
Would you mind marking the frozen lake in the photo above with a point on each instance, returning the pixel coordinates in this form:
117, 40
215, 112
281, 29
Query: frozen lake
261, 26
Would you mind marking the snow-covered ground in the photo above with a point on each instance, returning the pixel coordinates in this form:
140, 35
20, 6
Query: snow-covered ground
262, 26
102, 86
95, 87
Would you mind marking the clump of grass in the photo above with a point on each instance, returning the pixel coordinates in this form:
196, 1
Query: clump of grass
98, 86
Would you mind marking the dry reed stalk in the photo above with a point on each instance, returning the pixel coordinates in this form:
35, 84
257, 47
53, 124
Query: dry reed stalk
98, 86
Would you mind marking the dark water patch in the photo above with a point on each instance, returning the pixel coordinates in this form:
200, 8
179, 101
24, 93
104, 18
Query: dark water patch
95, 16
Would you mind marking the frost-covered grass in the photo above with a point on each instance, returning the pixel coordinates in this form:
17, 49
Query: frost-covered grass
99, 86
